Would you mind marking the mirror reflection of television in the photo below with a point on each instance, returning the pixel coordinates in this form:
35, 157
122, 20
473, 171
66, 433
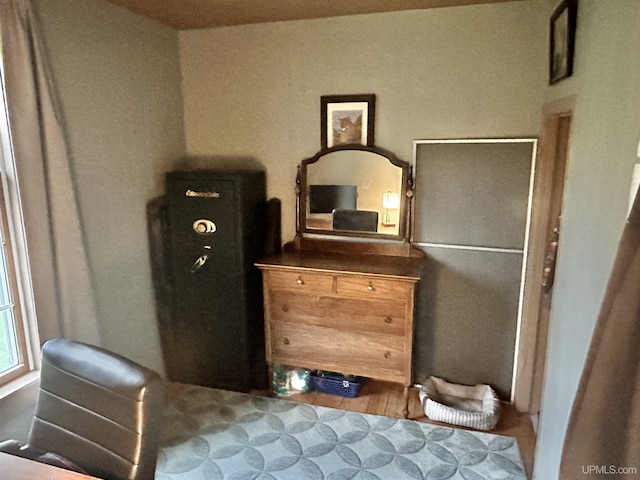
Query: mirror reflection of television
327, 198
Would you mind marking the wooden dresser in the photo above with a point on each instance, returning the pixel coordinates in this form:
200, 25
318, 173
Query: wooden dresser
342, 313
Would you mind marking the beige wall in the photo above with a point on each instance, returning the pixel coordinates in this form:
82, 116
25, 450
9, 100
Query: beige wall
119, 82
255, 90
604, 142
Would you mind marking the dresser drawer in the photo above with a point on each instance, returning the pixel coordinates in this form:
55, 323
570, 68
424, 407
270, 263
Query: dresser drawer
341, 313
329, 348
373, 287
299, 281
348, 314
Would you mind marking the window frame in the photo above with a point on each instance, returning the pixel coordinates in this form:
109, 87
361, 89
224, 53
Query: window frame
23, 365
17, 260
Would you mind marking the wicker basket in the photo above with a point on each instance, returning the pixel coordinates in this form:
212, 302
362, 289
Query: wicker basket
467, 406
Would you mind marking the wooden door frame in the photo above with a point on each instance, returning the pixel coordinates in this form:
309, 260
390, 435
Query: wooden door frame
532, 338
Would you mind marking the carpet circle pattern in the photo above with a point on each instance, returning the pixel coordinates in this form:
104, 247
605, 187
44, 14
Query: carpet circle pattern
214, 434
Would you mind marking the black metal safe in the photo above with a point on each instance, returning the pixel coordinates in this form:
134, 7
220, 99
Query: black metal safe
213, 228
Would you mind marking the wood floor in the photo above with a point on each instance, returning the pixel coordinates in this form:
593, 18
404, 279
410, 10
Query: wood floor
381, 398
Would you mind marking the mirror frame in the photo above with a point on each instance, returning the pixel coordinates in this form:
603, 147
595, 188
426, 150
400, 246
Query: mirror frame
406, 194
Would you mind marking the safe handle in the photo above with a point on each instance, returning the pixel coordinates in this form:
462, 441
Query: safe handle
199, 263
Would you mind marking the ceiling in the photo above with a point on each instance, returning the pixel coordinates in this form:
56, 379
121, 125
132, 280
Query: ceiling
189, 14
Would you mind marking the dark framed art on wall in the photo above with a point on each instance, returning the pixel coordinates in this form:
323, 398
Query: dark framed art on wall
562, 33
347, 119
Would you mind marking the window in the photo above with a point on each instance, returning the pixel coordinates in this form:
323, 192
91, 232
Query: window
13, 345
18, 332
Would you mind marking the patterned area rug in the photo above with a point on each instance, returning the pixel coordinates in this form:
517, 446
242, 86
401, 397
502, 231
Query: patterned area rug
214, 434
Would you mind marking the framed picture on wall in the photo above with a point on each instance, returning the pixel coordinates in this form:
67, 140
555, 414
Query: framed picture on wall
562, 33
347, 119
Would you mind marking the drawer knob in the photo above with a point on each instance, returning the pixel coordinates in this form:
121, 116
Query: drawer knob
387, 354
299, 281
370, 287
285, 341
388, 320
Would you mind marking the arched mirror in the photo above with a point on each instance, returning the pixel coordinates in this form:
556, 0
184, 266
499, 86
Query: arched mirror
354, 191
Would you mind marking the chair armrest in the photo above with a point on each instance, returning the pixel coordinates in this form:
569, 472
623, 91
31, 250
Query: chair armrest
11, 446
14, 447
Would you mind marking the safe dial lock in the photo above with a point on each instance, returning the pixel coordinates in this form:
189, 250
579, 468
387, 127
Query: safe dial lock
204, 226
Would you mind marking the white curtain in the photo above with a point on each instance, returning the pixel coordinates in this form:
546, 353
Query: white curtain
63, 292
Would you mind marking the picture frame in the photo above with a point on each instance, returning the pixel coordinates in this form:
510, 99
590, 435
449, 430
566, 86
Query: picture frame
562, 32
347, 119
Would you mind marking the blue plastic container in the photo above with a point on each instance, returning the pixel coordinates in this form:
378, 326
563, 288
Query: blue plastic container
336, 384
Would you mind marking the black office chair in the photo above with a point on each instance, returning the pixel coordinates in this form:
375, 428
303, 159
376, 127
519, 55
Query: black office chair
97, 412
355, 220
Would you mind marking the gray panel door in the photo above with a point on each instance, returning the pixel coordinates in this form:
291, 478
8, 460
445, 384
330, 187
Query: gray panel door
471, 210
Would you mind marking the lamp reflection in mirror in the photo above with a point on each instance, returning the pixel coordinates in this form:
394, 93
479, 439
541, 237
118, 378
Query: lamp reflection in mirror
390, 201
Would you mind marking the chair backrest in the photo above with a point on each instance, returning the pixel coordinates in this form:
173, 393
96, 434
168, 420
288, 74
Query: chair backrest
355, 220
99, 410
